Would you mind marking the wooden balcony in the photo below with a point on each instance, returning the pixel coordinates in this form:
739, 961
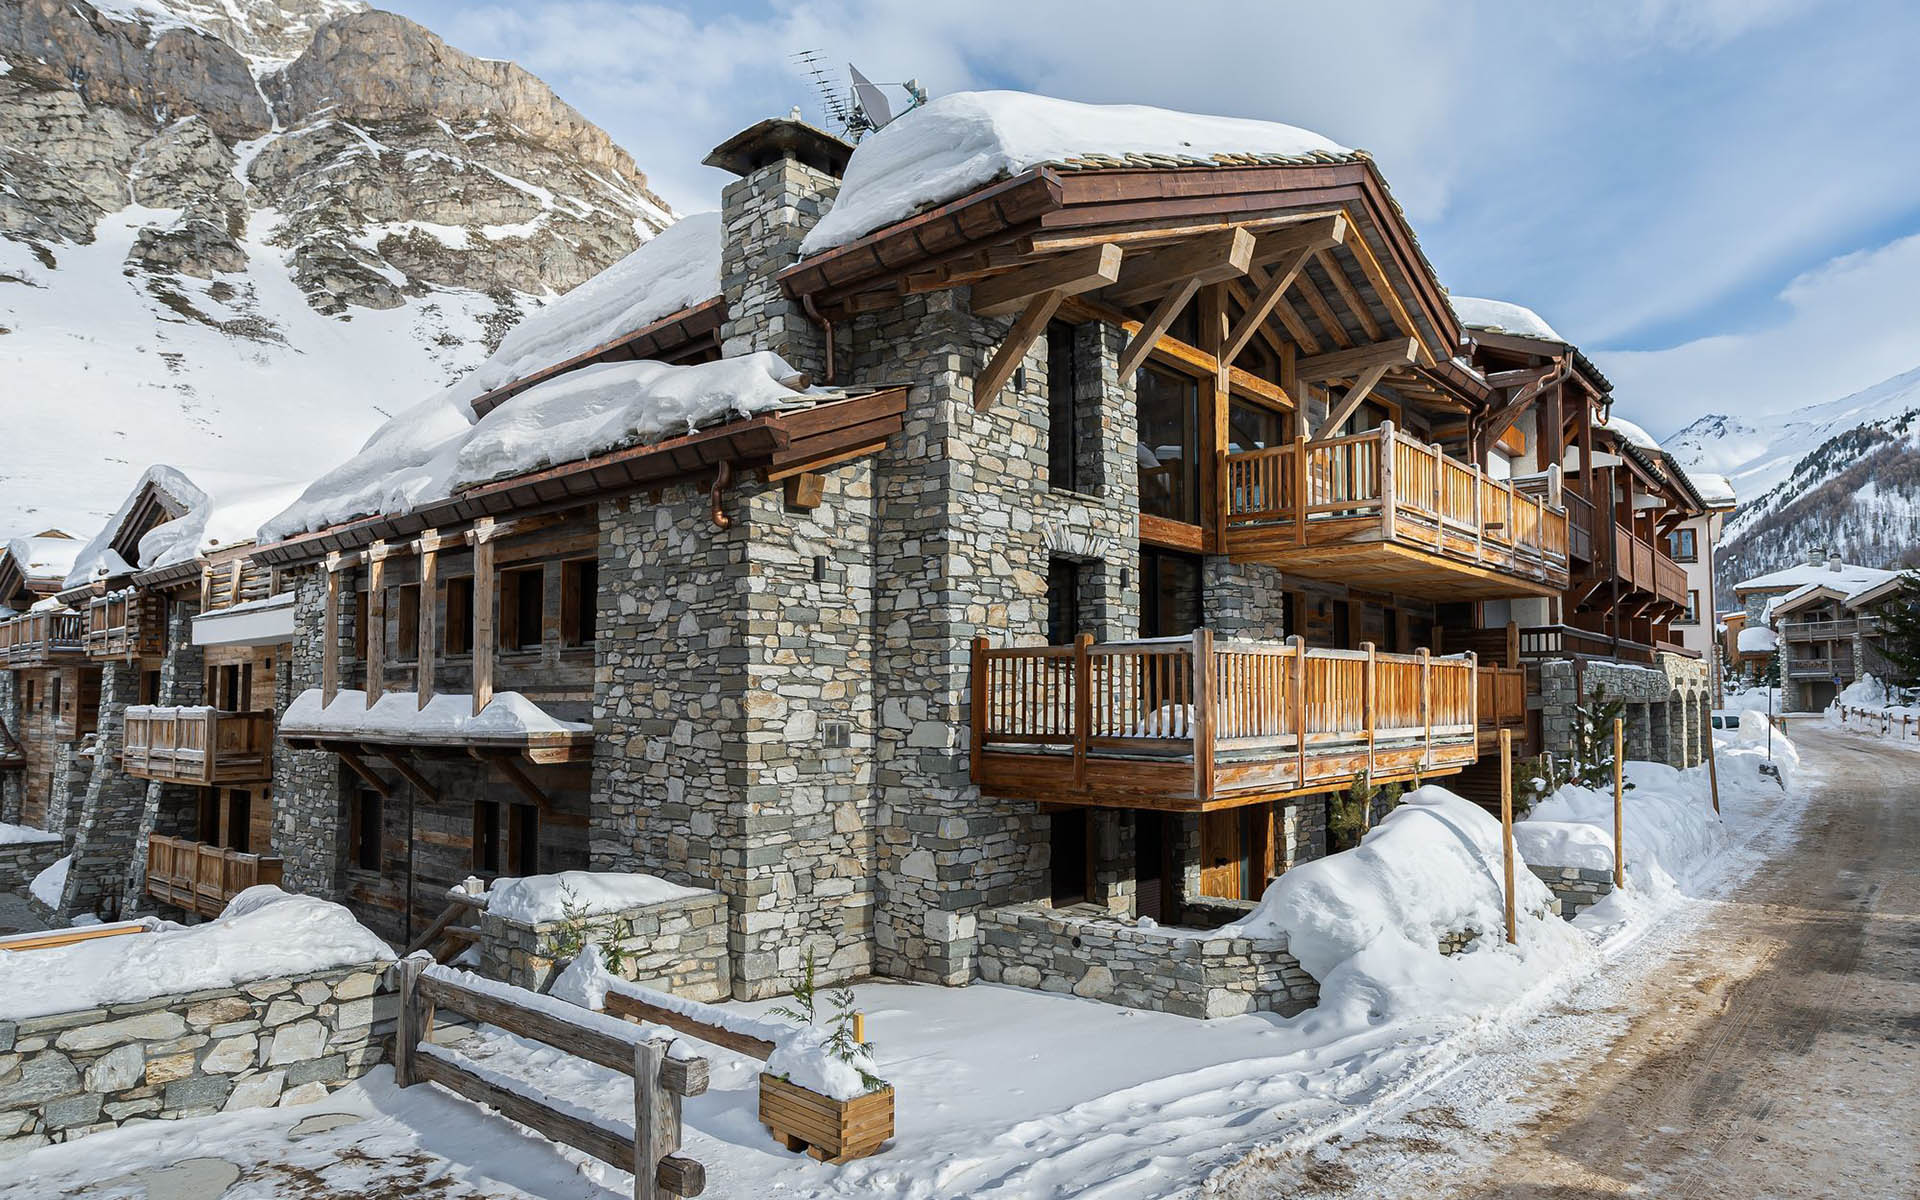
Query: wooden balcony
1194, 724
202, 878
1382, 510
1827, 631
1581, 521
43, 639
125, 626
1820, 668
202, 746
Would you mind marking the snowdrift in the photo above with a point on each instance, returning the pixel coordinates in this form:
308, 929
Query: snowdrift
264, 933
537, 898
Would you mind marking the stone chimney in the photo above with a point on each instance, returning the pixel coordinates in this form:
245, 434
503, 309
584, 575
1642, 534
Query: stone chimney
1833, 560
1816, 556
789, 173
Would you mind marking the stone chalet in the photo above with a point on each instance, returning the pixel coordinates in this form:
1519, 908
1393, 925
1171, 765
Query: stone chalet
1067, 536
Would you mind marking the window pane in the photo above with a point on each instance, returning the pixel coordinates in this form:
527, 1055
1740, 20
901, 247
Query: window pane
1250, 427
1063, 443
1169, 448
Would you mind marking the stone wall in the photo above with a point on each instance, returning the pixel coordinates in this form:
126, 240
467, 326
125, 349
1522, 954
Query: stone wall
1173, 971
1576, 888
111, 811
21, 861
273, 1041
308, 809
678, 946
1244, 600
12, 783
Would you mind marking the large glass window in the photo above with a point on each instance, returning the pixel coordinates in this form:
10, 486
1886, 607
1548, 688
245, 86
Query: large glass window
1252, 427
1168, 404
1063, 410
1682, 546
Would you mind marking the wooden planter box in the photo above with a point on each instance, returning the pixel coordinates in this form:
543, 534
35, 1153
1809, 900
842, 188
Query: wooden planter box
830, 1130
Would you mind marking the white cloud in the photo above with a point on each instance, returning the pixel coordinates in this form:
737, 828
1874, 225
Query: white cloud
1847, 325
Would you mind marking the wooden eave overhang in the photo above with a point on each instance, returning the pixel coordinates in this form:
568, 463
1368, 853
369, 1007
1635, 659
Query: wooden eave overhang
172, 577
779, 444
1584, 371
1049, 207
678, 337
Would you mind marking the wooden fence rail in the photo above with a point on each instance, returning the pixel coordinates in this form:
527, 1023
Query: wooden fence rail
659, 1082
1900, 726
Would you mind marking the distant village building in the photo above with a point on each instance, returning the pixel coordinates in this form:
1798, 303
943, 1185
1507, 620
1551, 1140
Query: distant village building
1822, 619
952, 550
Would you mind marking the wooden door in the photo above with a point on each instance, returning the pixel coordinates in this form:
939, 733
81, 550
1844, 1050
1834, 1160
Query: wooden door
1222, 855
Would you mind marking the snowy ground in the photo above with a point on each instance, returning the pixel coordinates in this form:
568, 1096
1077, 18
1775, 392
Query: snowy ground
1000, 1091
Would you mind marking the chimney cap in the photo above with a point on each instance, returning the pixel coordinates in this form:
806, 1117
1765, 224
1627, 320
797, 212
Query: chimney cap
781, 137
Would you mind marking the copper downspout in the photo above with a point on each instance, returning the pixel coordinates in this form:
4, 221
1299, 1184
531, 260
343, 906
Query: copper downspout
826, 327
721, 478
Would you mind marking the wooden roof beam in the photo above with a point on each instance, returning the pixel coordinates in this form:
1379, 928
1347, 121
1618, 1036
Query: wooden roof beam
1157, 324
1344, 364
1287, 251
1305, 288
1019, 339
1337, 414
1068, 274
1211, 258
1349, 294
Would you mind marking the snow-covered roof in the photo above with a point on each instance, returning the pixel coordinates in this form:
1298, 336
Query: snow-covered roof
431, 449
676, 269
1716, 490
398, 715
1846, 580
1502, 316
42, 557
1873, 593
1799, 596
963, 141
218, 509
1630, 433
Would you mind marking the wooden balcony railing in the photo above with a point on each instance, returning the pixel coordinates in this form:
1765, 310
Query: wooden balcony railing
1644, 567
204, 746
1191, 723
1565, 641
43, 639
202, 878
126, 625
1819, 668
1384, 487
1581, 519
1822, 631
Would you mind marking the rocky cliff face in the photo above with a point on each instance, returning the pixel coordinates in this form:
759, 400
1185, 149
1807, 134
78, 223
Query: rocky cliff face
205, 198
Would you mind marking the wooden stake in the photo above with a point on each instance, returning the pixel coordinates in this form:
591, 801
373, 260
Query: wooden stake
656, 1121
1619, 793
1506, 824
1713, 768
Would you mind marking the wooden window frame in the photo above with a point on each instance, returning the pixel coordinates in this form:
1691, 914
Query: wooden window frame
572, 615
456, 639
404, 606
359, 801
512, 590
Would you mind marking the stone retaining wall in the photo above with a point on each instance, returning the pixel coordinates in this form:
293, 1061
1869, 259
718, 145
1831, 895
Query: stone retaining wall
273, 1041
21, 861
1174, 971
678, 946
1576, 888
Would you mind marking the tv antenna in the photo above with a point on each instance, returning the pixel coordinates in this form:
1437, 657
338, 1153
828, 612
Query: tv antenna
863, 107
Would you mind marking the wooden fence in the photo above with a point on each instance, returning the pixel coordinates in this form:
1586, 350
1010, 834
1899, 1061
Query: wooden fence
1899, 726
201, 878
659, 1082
197, 745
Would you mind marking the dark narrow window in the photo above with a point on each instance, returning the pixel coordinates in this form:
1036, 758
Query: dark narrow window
239, 821
525, 847
486, 837
1342, 625
360, 626
1296, 618
1170, 593
208, 829
1063, 601
54, 695
522, 596
245, 701
1068, 857
579, 599
1063, 410
1169, 444
150, 687
460, 616
406, 620
365, 830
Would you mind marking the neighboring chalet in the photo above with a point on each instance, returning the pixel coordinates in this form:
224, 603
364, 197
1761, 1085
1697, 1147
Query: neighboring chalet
1042, 505
1822, 619
41, 684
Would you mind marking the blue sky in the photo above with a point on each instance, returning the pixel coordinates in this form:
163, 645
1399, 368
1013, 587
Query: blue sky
1718, 199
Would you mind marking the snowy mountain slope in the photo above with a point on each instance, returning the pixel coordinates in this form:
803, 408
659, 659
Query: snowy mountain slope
238, 234
1843, 475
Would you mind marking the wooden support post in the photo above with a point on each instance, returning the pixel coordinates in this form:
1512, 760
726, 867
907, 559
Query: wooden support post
999, 369
376, 631
1513, 643
330, 635
1203, 688
1082, 709
428, 634
485, 589
416, 1022
1388, 504
1157, 324
1506, 825
656, 1120
1713, 765
1619, 795
351, 757
1370, 714
1301, 485
1426, 702
1300, 709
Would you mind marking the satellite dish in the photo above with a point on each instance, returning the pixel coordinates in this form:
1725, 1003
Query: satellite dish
870, 102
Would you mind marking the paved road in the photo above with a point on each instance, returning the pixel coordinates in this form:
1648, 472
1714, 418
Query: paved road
1771, 1050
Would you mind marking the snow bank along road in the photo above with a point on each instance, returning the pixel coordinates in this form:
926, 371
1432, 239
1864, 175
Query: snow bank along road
1766, 1046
